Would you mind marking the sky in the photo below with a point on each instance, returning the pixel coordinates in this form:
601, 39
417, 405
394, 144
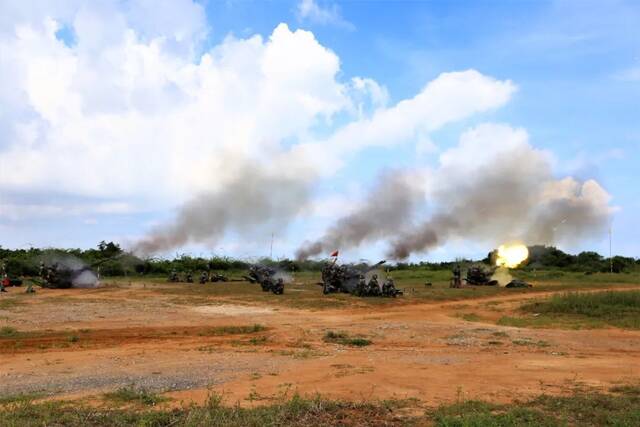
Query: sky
114, 115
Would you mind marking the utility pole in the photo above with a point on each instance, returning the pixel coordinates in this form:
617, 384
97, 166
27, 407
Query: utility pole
610, 251
271, 249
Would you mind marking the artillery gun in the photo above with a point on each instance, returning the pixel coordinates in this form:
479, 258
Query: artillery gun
63, 275
265, 276
350, 279
480, 276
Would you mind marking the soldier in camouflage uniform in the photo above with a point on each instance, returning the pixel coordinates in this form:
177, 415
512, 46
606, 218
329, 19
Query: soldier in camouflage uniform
373, 289
30, 289
204, 278
361, 288
457, 277
3, 277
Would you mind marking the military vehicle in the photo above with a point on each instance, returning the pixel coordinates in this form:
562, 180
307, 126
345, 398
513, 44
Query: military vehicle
350, 279
480, 276
265, 276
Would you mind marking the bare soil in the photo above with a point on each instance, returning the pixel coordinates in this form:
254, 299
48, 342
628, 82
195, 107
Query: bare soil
80, 343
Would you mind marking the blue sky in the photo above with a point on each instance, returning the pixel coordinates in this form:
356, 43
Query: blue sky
576, 65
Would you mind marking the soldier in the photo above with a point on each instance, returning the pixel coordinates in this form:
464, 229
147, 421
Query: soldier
388, 288
189, 277
3, 277
374, 287
204, 278
43, 270
52, 272
457, 277
30, 289
361, 288
278, 288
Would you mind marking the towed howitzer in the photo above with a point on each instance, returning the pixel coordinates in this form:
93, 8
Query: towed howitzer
265, 276
60, 276
480, 276
345, 278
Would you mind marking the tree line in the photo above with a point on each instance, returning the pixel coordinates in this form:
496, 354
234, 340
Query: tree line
111, 260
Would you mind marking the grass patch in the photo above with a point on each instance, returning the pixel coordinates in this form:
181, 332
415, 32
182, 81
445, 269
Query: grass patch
471, 317
9, 332
581, 311
233, 330
619, 407
135, 396
20, 397
9, 303
344, 339
296, 412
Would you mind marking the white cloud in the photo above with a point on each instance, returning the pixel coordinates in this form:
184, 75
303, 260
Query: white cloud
131, 114
309, 10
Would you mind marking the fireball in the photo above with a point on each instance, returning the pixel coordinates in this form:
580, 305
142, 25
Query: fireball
511, 256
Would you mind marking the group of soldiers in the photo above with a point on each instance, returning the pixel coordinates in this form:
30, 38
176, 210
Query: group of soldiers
373, 288
349, 279
205, 277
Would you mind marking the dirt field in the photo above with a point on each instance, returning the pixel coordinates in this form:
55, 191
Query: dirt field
435, 344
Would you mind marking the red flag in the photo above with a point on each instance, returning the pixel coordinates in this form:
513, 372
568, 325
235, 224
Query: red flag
334, 253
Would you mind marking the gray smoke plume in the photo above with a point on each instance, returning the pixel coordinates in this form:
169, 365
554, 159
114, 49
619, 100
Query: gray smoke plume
254, 197
493, 187
511, 195
386, 209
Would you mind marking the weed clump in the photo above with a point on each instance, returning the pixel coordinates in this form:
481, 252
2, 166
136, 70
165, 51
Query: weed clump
344, 339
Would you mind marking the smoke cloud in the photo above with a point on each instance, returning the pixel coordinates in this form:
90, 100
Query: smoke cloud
386, 209
254, 197
493, 187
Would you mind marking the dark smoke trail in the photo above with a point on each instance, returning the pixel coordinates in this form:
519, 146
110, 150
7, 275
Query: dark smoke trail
385, 211
254, 197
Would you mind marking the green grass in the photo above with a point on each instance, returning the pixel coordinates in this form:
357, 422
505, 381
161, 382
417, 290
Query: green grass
619, 407
304, 293
581, 310
20, 397
9, 303
233, 330
471, 317
296, 411
135, 396
344, 339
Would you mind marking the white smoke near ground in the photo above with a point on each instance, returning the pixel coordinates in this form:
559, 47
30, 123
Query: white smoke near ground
493, 187
285, 276
81, 274
86, 279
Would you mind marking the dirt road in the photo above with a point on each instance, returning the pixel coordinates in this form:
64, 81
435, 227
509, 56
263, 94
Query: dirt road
76, 343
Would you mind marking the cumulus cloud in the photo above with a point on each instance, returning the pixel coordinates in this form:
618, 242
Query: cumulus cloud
129, 110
